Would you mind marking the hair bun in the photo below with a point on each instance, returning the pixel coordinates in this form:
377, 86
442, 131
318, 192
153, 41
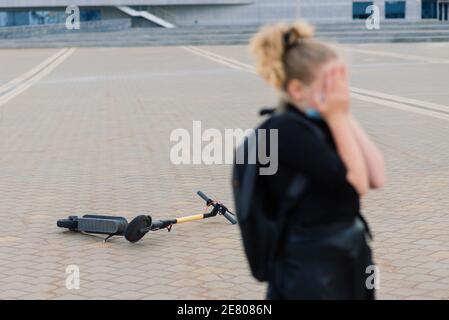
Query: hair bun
297, 32
269, 46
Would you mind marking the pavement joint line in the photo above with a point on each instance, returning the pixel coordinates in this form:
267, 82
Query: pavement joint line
41, 73
397, 55
235, 64
410, 101
405, 104
387, 64
401, 106
230, 60
11, 84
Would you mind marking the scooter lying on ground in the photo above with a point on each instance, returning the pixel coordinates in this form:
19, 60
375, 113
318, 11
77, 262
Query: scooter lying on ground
140, 225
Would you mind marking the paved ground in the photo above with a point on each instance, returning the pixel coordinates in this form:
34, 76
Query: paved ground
92, 136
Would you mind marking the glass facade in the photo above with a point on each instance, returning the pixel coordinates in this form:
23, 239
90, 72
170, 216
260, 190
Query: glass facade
35, 17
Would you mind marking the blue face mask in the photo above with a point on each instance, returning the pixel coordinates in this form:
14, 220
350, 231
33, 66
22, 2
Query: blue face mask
313, 113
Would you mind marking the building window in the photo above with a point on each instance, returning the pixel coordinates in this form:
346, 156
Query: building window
46, 17
359, 9
18, 18
394, 9
90, 15
429, 9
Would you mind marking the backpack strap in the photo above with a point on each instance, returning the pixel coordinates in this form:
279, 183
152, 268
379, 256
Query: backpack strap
249, 179
294, 191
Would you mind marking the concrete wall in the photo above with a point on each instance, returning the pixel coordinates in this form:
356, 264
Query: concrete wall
262, 11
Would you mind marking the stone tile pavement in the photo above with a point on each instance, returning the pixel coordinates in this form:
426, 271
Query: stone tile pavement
93, 137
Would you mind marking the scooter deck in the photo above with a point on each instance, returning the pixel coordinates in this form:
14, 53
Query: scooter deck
102, 224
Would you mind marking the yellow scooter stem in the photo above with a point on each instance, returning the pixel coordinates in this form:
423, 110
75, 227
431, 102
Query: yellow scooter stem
190, 218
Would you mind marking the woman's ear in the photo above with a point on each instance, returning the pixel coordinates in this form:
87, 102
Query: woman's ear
295, 90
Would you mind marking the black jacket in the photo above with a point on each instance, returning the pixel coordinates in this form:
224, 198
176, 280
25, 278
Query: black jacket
324, 253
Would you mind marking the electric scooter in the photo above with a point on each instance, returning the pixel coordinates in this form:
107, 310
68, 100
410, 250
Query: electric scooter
137, 228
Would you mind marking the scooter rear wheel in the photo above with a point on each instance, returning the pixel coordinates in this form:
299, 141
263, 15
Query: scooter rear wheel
68, 223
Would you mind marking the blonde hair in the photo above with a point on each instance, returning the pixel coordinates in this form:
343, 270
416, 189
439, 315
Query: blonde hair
288, 51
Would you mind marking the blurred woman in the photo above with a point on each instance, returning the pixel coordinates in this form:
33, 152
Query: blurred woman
325, 253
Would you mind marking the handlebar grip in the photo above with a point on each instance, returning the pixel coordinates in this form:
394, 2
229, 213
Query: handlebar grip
204, 197
230, 218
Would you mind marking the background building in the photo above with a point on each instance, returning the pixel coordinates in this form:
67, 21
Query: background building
218, 12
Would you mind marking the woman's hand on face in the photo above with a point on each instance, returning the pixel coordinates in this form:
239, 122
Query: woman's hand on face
334, 98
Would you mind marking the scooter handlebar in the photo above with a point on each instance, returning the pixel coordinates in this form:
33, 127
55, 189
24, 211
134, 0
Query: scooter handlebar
204, 197
230, 217
218, 208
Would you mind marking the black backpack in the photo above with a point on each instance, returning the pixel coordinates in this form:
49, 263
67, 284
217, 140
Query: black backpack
262, 236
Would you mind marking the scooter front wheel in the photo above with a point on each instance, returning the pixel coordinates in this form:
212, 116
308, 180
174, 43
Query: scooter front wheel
137, 228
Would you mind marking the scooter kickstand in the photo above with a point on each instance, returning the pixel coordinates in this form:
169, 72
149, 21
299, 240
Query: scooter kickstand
107, 238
